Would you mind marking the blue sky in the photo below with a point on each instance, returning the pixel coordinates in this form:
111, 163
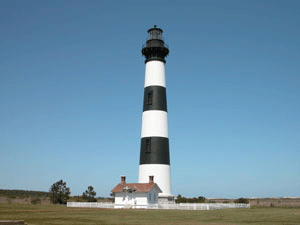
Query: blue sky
72, 82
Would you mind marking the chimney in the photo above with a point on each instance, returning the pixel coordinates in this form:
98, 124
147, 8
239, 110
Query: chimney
123, 180
151, 179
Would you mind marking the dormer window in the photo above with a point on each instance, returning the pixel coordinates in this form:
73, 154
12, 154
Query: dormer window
149, 97
127, 189
148, 145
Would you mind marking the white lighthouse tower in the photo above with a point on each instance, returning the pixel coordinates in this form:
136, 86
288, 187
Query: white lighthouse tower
154, 154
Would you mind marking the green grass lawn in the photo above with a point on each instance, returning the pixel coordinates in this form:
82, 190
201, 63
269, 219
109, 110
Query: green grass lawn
57, 214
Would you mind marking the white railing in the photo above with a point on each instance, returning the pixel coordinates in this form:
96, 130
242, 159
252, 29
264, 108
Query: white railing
180, 206
198, 206
107, 205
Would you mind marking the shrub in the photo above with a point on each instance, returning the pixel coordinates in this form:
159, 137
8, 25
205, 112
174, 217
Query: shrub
201, 199
241, 200
35, 201
181, 199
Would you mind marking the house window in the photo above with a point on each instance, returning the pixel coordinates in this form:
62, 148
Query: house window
154, 197
149, 97
149, 197
148, 145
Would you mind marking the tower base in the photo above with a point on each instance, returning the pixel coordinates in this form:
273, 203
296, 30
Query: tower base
162, 177
166, 199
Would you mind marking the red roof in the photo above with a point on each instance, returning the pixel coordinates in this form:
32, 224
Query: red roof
136, 187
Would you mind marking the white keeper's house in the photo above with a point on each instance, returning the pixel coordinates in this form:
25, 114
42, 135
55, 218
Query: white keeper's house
136, 195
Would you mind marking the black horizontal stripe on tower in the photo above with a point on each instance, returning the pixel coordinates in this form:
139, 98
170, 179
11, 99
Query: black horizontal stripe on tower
155, 98
155, 150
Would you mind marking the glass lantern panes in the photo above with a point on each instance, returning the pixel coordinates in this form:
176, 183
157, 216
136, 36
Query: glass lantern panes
155, 34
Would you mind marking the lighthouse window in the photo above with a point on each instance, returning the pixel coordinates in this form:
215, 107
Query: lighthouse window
148, 145
149, 98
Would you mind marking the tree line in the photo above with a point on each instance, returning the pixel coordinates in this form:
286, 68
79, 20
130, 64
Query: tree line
23, 193
201, 199
181, 199
59, 193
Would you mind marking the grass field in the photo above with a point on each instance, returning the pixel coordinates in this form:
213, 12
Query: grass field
57, 214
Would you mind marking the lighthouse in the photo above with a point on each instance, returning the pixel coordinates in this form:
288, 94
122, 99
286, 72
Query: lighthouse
154, 151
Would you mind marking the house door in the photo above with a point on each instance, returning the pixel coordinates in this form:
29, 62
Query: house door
126, 199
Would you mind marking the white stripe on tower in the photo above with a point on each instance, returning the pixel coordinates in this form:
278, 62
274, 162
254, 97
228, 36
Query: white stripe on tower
155, 74
154, 155
155, 124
